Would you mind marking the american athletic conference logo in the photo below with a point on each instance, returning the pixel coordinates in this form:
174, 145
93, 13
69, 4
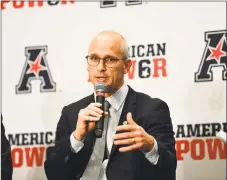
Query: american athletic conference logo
35, 68
214, 56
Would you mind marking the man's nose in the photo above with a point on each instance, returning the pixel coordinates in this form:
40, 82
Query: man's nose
101, 65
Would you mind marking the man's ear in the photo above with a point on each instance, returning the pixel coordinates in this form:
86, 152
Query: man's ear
128, 64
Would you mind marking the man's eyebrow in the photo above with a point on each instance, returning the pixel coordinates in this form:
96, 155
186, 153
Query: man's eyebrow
110, 56
93, 54
106, 56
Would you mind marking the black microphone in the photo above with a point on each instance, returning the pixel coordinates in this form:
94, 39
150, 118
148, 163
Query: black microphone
100, 89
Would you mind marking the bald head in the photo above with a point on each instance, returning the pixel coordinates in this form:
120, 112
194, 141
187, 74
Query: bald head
113, 39
111, 47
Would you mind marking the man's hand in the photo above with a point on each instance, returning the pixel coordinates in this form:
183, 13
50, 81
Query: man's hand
86, 120
136, 137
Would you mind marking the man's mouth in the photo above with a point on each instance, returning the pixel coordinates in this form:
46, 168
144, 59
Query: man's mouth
101, 78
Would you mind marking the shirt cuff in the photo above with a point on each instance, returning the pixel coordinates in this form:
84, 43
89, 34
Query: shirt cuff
153, 155
76, 145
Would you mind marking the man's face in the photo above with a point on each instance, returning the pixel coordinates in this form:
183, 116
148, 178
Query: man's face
113, 77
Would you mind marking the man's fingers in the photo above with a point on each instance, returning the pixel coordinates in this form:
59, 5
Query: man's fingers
92, 113
128, 141
124, 142
131, 148
124, 135
106, 113
95, 104
126, 128
95, 107
90, 118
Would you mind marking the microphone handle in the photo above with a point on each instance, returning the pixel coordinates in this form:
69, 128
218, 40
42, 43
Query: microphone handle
100, 124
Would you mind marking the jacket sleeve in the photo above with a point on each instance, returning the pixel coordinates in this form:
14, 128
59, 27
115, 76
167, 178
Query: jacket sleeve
6, 161
61, 162
159, 125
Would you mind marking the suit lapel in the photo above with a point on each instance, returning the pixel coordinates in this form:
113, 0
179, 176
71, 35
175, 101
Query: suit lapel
89, 99
129, 106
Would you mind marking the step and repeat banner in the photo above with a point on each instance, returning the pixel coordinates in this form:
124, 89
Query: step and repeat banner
178, 50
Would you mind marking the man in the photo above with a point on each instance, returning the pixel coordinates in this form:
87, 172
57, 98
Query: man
140, 142
6, 163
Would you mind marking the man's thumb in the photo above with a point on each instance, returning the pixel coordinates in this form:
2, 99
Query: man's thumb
129, 119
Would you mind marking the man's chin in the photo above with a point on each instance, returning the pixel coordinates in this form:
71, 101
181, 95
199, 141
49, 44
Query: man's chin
99, 81
109, 88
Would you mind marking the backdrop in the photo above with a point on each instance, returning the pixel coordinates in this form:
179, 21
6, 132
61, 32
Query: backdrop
179, 55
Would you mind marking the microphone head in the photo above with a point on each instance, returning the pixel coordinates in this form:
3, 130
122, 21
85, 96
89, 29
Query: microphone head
100, 87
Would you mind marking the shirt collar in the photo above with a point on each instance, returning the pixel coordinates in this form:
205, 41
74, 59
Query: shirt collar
116, 100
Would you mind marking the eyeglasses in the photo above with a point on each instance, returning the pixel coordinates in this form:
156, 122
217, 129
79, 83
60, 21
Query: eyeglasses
109, 61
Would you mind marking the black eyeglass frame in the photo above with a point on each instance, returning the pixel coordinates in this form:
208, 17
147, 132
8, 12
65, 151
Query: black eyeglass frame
105, 60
